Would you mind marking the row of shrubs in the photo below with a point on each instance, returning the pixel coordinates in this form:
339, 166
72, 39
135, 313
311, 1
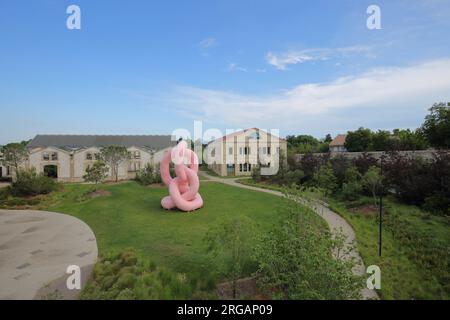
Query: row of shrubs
30, 183
412, 180
126, 276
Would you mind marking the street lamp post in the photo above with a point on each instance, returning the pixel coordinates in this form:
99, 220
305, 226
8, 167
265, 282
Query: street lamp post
380, 218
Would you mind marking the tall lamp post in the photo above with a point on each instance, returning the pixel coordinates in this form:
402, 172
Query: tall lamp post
380, 218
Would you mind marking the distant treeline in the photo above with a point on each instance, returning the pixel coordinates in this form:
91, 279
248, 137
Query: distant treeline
434, 133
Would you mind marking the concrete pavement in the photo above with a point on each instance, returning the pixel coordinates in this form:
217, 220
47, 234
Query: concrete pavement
36, 247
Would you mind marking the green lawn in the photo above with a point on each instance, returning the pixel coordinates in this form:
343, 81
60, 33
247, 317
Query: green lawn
132, 217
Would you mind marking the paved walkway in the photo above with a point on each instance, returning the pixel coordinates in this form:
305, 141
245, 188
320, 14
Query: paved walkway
334, 220
36, 247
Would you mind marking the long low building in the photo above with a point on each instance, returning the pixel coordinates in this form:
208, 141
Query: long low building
66, 157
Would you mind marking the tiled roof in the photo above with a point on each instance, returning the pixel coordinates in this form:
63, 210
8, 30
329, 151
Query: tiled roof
155, 142
338, 141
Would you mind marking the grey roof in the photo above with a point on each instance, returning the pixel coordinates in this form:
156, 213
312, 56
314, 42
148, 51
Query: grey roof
155, 142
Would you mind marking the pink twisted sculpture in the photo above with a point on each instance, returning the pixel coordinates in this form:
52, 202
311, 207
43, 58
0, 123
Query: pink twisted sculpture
183, 189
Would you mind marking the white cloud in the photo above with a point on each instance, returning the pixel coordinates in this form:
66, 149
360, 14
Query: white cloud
234, 67
378, 90
281, 61
206, 44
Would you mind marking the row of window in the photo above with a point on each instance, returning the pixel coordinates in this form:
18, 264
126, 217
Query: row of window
53, 156
245, 151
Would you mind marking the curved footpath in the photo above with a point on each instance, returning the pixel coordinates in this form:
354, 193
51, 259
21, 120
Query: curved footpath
36, 247
334, 220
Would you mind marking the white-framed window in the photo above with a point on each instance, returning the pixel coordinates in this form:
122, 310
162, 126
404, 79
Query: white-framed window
213, 152
230, 150
97, 156
54, 156
88, 156
137, 154
45, 156
268, 150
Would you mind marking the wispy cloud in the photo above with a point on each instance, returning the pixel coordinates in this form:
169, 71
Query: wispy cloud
234, 67
206, 44
282, 60
380, 90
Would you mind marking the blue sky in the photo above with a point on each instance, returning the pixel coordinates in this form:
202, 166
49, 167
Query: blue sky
150, 67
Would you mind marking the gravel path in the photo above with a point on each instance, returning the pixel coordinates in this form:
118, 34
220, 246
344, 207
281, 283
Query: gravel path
334, 220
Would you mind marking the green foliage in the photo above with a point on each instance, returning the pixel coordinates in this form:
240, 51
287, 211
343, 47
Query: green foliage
363, 140
415, 256
232, 237
372, 181
352, 187
256, 173
359, 140
326, 179
14, 154
436, 127
296, 262
96, 173
114, 156
306, 143
126, 276
148, 175
30, 183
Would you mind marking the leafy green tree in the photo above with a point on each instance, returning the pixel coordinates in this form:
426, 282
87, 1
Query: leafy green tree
359, 140
232, 238
114, 156
96, 173
295, 259
436, 127
328, 138
14, 154
352, 187
326, 179
372, 181
380, 141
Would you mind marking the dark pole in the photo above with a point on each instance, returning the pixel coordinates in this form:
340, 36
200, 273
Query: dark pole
381, 207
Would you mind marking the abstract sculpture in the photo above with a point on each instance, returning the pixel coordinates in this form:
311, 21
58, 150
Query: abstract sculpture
183, 189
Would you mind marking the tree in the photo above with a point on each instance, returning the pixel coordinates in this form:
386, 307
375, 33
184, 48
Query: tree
232, 238
96, 173
328, 138
380, 141
326, 179
436, 127
295, 259
359, 140
372, 180
14, 154
114, 156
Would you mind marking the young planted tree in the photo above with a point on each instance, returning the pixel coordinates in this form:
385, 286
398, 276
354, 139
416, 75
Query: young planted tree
233, 239
96, 173
114, 156
14, 154
372, 180
295, 258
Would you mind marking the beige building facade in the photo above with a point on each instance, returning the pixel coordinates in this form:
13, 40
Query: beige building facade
237, 154
67, 157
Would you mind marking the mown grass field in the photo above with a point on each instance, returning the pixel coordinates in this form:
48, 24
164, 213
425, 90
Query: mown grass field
131, 216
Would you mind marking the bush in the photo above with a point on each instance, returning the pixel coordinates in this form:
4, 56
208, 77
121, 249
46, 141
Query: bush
148, 175
30, 183
125, 275
296, 262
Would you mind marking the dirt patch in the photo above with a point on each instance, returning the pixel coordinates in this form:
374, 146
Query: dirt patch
245, 288
366, 210
155, 185
99, 193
